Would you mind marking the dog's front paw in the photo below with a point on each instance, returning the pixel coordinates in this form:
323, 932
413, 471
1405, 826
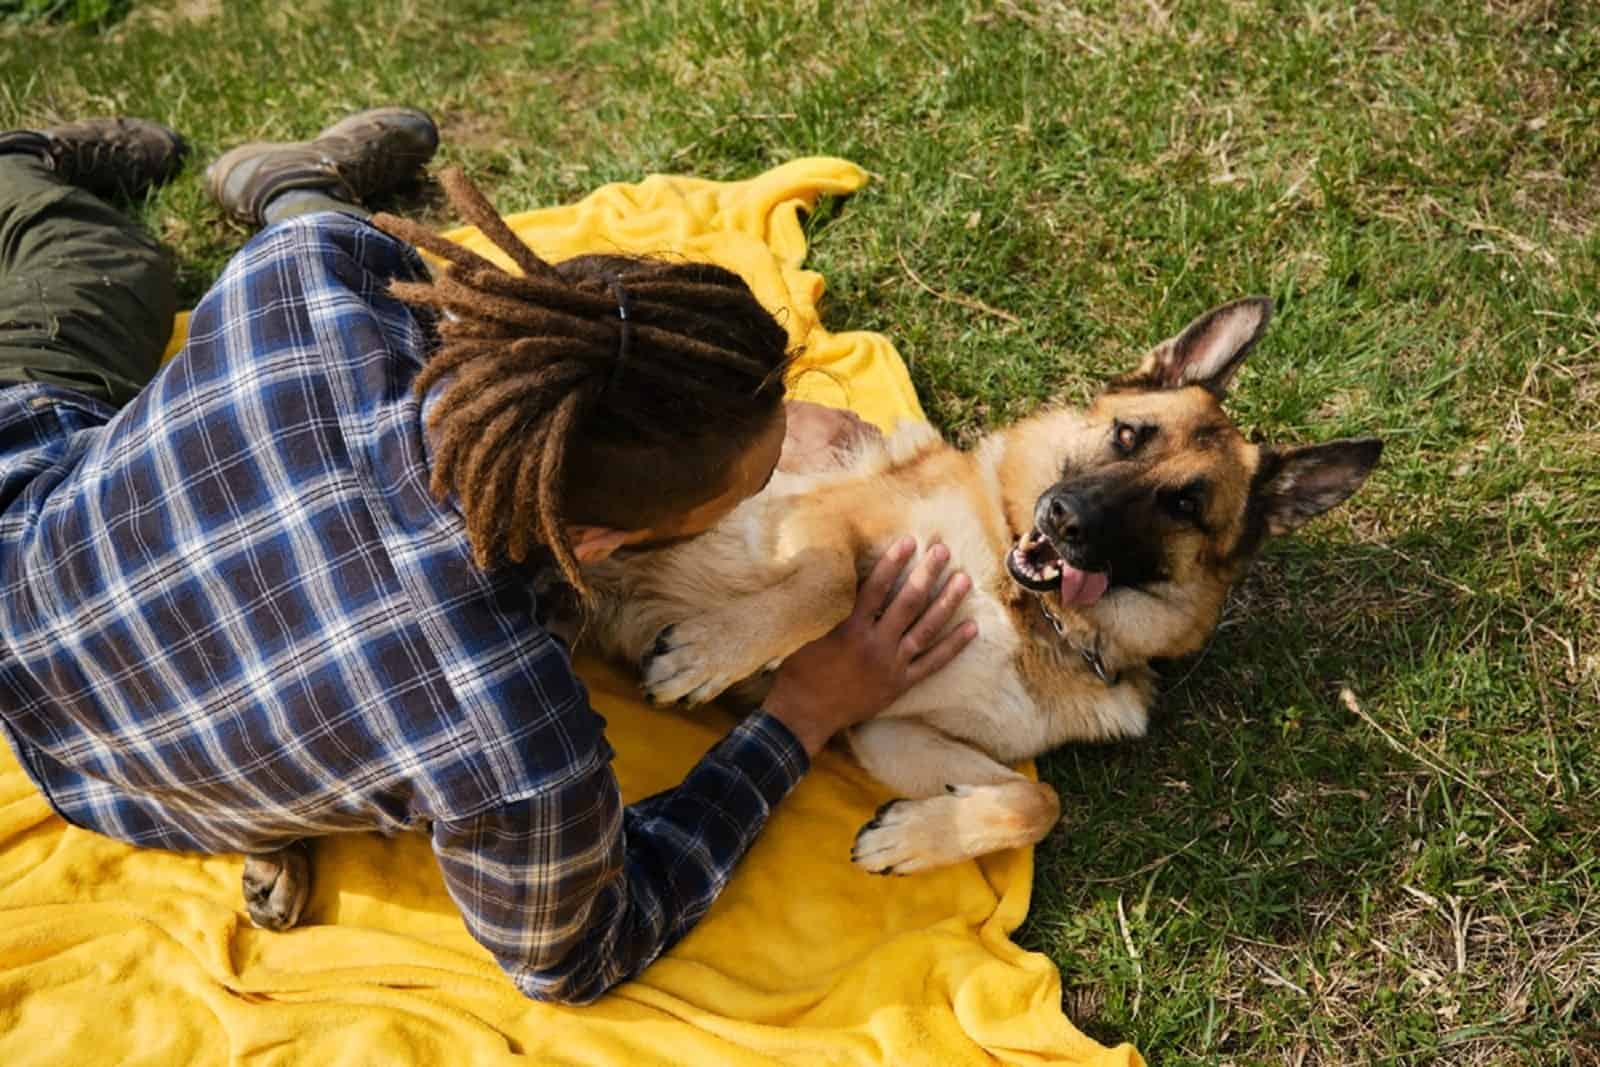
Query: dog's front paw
681, 666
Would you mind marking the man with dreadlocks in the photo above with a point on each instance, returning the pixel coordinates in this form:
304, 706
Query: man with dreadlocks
282, 587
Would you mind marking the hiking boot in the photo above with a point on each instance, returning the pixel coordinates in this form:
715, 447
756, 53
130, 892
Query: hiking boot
366, 155
104, 156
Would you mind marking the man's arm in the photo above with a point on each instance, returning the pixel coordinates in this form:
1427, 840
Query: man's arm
574, 894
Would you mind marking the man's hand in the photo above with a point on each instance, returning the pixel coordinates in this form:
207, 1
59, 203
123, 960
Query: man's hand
817, 435
879, 652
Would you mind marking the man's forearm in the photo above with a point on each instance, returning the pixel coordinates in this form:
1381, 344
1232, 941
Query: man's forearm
573, 896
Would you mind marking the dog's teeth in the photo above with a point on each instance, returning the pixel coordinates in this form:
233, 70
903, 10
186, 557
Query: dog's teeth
1050, 572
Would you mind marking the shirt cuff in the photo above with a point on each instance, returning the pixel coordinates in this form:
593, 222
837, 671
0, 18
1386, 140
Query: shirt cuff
768, 753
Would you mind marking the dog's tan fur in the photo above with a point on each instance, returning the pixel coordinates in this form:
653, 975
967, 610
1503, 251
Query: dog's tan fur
716, 613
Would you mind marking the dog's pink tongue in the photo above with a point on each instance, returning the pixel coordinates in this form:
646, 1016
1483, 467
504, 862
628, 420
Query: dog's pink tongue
1082, 588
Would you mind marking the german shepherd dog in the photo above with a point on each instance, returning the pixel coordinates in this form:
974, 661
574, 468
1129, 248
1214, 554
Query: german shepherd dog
1097, 540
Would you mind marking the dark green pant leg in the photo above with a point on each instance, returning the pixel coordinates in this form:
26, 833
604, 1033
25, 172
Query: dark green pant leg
86, 297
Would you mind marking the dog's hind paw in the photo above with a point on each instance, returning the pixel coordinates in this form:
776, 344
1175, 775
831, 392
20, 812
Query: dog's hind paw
966, 821
895, 840
681, 667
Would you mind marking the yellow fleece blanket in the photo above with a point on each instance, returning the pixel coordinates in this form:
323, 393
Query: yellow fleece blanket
112, 955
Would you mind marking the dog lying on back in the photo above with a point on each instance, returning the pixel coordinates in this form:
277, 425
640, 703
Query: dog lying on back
1096, 540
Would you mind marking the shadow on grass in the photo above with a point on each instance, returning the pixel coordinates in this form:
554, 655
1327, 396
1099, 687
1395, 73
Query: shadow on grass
1258, 800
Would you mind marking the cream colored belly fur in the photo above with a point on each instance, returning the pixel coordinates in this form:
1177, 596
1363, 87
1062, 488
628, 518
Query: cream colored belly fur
782, 570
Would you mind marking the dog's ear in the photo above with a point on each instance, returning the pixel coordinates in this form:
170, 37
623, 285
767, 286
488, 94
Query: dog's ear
1299, 484
1208, 352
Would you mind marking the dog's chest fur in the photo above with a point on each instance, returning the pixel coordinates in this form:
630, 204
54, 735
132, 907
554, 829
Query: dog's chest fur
1017, 691
1020, 689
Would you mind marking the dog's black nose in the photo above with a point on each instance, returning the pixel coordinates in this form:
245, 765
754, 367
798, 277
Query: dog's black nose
1063, 515
1063, 518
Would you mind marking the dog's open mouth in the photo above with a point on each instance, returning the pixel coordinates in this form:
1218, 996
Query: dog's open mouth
1036, 566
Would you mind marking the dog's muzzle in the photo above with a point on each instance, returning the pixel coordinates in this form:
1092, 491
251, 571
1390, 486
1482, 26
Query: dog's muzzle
1051, 556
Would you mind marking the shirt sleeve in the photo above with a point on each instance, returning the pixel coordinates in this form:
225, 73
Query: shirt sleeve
573, 893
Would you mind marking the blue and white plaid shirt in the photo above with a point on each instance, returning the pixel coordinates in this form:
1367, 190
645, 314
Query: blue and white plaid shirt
232, 616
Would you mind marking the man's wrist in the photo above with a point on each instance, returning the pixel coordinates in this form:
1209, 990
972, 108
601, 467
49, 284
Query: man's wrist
808, 728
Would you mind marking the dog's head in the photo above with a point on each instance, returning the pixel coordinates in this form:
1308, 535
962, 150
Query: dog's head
1140, 512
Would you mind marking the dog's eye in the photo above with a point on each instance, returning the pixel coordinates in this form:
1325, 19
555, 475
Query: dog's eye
1126, 438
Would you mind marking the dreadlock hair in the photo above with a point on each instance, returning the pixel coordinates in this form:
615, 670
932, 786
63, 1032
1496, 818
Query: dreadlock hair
607, 390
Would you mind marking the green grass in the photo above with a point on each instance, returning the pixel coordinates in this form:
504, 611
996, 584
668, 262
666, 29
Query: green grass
85, 14
1272, 877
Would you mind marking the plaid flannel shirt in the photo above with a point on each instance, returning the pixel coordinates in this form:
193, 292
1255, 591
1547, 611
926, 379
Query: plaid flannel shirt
232, 616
